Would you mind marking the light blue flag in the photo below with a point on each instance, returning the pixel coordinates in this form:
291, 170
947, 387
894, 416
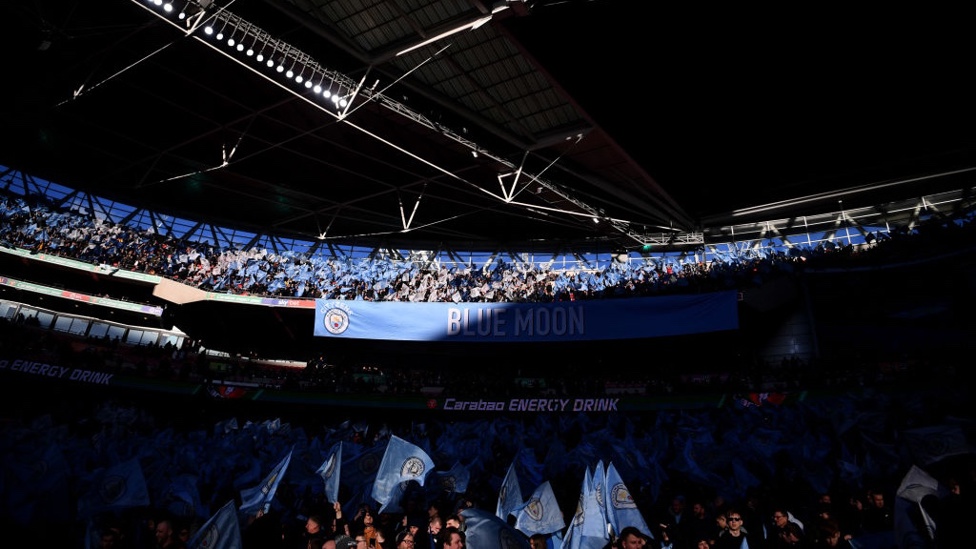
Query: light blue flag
574, 538
359, 469
221, 531
181, 497
260, 496
484, 530
360, 465
594, 507
686, 461
916, 485
118, 487
402, 462
930, 444
249, 476
453, 481
330, 472
509, 494
36, 474
541, 513
621, 508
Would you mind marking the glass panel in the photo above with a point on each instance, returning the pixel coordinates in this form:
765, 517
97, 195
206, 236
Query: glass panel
8, 310
79, 326
115, 332
149, 338
98, 330
45, 319
134, 337
63, 324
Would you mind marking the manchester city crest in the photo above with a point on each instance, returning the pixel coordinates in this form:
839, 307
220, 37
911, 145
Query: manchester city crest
112, 489
412, 467
336, 320
534, 509
210, 538
620, 497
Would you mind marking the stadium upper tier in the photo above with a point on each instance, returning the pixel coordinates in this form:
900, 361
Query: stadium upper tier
160, 277
724, 240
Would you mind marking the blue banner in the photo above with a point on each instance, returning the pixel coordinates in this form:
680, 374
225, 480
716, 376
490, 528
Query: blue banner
521, 322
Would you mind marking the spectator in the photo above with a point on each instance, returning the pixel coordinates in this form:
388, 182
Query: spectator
877, 515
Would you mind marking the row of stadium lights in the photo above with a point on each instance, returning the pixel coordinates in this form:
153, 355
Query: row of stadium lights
234, 41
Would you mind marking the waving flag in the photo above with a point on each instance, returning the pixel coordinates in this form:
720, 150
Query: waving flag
359, 470
916, 485
453, 481
36, 474
482, 529
930, 444
540, 514
260, 496
118, 487
330, 471
594, 505
221, 531
687, 461
621, 508
182, 497
402, 462
509, 494
584, 520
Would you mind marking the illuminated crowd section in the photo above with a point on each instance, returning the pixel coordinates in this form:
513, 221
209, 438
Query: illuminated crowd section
837, 228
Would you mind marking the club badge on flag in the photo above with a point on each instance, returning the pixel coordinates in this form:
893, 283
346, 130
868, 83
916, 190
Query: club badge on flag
222, 531
402, 462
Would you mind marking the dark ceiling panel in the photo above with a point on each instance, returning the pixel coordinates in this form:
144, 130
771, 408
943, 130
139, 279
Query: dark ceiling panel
646, 118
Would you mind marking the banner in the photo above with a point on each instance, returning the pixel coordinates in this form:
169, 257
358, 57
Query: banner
600, 319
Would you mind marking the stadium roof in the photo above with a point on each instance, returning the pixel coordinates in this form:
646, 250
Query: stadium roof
474, 125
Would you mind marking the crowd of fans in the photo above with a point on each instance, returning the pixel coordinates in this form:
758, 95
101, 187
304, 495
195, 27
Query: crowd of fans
33, 225
835, 466
852, 499
258, 271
